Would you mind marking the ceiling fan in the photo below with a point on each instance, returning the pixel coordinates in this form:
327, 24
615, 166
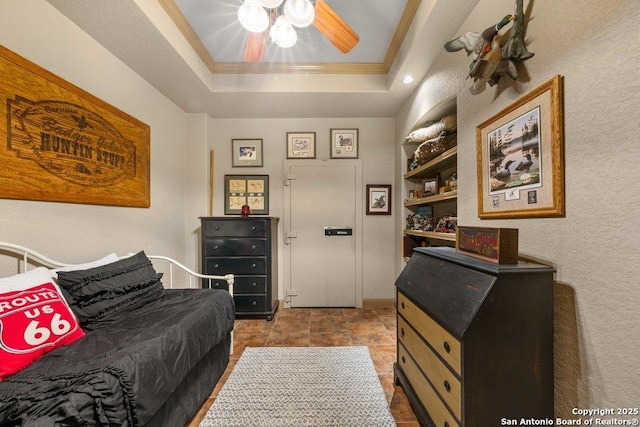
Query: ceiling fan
279, 28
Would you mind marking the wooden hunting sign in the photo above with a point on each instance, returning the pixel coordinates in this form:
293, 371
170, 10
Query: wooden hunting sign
60, 143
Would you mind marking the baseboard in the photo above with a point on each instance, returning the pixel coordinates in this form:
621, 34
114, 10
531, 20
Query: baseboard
378, 303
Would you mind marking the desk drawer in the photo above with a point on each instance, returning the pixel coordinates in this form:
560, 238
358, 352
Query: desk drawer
250, 303
447, 346
235, 265
235, 247
442, 379
439, 414
250, 285
236, 228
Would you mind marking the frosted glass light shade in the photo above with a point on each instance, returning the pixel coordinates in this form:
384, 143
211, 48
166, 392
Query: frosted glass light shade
299, 12
253, 17
270, 4
282, 33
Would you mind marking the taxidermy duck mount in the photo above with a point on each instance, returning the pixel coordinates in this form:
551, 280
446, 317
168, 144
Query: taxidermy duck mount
491, 58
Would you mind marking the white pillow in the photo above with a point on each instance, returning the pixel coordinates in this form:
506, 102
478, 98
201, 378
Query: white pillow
22, 281
112, 257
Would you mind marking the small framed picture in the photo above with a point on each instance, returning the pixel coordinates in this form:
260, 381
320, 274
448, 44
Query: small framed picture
250, 190
301, 145
430, 186
378, 199
344, 143
246, 153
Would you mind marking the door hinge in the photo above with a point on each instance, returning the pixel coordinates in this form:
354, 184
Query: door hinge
288, 236
289, 177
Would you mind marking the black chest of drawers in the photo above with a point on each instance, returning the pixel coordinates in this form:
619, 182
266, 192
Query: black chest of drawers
475, 339
246, 247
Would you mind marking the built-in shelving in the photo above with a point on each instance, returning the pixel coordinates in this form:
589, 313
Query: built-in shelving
449, 195
431, 235
447, 159
443, 203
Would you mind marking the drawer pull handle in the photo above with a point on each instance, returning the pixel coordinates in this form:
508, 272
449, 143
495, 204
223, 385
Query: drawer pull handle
447, 386
254, 284
447, 347
216, 266
253, 228
253, 265
404, 360
253, 247
217, 228
446, 424
216, 247
402, 304
254, 303
402, 332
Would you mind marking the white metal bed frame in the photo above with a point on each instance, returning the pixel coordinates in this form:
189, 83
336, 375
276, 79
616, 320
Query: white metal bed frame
29, 257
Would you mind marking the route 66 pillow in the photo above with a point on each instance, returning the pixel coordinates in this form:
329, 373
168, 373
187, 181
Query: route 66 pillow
34, 319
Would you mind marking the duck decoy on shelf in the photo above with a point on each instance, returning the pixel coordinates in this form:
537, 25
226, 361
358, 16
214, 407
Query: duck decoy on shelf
525, 164
504, 173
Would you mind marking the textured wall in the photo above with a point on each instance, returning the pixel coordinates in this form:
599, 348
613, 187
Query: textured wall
595, 248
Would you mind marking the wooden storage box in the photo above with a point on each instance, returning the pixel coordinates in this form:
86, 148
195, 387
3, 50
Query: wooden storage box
497, 245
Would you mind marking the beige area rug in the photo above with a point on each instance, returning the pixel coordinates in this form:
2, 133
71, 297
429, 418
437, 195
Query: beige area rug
301, 386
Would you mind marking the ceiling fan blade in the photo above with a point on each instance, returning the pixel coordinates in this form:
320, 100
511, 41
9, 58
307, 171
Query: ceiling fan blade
255, 47
333, 27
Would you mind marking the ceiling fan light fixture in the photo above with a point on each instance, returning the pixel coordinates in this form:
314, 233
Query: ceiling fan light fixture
282, 33
300, 13
253, 17
270, 4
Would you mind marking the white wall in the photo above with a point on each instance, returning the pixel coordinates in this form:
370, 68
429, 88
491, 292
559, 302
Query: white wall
74, 232
376, 137
595, 248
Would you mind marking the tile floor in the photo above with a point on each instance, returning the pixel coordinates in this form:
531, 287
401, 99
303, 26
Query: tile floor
373, 327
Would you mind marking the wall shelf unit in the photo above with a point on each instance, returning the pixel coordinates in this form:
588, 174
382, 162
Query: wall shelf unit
442, 204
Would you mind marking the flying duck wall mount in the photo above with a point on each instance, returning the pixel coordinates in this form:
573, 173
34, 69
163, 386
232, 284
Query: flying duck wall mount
492, 56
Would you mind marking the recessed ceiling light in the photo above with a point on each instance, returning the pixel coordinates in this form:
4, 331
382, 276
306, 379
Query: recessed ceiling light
407, 79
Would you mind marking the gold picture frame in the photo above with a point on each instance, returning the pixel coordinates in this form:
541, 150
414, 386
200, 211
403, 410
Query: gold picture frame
520, 157
251, 190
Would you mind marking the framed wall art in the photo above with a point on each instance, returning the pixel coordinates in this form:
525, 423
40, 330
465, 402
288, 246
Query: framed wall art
246, 153
520, 156
431, 185
251, 190
378, 199
344, 143
301, 145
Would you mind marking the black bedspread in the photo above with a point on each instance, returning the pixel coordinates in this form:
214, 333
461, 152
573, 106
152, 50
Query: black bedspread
122, 373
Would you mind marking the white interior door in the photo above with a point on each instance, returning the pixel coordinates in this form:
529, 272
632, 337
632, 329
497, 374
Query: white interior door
322, 228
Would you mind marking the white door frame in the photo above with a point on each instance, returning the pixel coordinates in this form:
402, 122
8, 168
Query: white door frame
357, 231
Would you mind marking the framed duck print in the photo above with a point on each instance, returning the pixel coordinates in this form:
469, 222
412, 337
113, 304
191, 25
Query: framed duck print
344, 143
520, 157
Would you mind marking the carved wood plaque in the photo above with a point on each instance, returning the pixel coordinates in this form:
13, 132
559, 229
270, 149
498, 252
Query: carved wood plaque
60, 143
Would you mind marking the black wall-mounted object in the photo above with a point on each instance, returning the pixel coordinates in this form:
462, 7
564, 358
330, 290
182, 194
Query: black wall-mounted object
336, 231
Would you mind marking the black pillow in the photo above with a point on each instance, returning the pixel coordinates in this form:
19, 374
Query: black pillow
103, 294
